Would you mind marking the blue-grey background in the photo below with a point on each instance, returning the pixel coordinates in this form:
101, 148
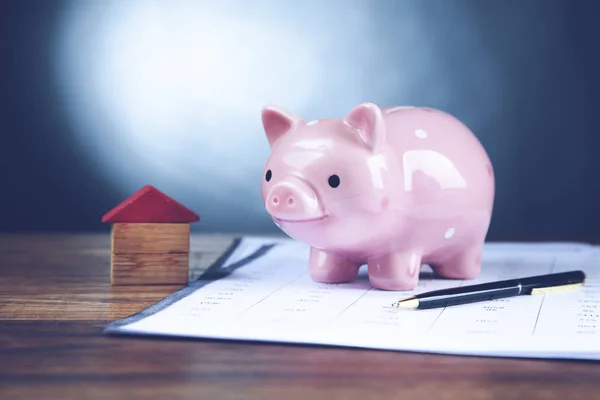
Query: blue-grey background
98, 98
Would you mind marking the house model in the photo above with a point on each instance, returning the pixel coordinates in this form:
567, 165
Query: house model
150, 240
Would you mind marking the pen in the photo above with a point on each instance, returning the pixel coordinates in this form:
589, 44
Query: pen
495, 290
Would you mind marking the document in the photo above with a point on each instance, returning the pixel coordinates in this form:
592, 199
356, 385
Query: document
260, 290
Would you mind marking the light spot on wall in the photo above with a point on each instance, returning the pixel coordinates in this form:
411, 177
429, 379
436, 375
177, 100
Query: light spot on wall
170, 93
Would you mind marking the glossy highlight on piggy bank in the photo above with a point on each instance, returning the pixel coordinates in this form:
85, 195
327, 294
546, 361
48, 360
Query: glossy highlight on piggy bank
392, 188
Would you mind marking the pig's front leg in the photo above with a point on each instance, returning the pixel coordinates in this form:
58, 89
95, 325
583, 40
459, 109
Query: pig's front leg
396, 271
330, 267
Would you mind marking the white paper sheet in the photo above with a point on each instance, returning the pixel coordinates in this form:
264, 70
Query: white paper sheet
262, 292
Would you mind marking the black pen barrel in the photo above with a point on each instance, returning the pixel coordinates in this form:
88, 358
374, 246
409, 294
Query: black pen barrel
447, 300
472, 294
496, 290
558, 279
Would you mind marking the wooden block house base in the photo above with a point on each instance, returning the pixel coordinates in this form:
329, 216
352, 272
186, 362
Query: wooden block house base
150, 269
150, 254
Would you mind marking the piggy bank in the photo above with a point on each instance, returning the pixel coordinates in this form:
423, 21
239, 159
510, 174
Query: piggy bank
392, 188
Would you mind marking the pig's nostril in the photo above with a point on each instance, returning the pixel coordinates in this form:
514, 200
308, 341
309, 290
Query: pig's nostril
291, 201
275, 200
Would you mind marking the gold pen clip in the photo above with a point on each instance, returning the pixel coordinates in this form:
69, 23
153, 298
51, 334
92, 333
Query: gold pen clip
553, 289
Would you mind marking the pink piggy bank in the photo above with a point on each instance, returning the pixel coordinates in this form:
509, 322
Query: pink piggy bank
392, 188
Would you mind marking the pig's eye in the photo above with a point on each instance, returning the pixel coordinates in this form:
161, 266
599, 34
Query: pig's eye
334, 181
268, 175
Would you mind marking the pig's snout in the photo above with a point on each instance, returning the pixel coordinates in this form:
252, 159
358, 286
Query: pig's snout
291, 199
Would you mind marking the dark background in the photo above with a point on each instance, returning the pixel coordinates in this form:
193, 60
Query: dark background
542, 135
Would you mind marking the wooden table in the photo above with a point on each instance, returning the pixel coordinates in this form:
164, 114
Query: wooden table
55, 299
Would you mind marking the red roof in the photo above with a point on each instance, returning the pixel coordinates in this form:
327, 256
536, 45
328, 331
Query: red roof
150, 205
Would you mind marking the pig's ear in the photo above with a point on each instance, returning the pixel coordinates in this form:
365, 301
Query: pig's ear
276, 122
367, 120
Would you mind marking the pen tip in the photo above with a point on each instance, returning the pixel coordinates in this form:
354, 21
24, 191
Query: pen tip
408, 303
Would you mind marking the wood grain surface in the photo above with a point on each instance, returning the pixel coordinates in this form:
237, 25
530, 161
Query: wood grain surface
147, 238
55, 299
150, 269
150, 254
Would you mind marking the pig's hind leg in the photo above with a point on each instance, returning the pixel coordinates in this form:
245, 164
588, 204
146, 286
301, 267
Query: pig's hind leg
463, 264
395, 271
328, 267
